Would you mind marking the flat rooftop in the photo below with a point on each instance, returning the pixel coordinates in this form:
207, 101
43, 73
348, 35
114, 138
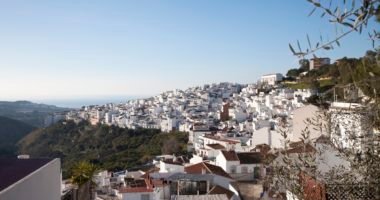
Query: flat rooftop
13, 169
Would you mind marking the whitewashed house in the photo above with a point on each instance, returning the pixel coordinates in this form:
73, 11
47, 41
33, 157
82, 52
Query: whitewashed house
271, 79
170, 166
267, 136
241, 165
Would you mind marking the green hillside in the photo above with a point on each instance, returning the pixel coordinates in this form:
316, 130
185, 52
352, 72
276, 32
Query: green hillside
362, 72
11, 131
109, 147
28, 112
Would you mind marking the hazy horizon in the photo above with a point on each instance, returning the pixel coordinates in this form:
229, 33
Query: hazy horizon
77, 102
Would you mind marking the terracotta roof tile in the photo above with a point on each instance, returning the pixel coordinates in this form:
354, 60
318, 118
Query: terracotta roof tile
250, 157
207, 168
230, 155
216, 146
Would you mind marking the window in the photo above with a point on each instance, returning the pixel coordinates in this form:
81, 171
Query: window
244, 169
233, 169
145, 197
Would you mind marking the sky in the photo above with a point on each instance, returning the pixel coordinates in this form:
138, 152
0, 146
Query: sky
82, 49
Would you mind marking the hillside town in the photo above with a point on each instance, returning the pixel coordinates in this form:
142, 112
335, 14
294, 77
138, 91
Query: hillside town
237, 135
234, 133
190, 100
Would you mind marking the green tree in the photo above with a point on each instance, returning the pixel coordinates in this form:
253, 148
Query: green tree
304, 65
362, 178
315, 85
82, 172
348, 17
293, 73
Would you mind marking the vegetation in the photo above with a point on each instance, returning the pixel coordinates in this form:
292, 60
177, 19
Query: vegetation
28, 112
348, 17
345, 71
303, 67
11, 131
310, 85
361, 180
108, 147
82, 172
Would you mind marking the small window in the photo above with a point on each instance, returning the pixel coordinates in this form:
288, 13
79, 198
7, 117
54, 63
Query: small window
244, 169
233, 169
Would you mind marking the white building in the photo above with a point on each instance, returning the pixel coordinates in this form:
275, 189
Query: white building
102, 179
271, 79
32, 179
316, 63
241, 165
266, 136
170, 166
305, 120
143, 192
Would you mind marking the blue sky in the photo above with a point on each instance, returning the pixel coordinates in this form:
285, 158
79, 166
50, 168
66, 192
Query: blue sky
76, 49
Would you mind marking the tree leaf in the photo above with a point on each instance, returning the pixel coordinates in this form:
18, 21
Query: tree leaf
291, 49
312, 11
328, 11
348, 24
308, 40
299, 46
326, 47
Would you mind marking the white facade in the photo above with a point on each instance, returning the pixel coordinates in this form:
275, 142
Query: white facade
236, 169
102, 179
315, 63
137, 196
300, 123
41, 184
166, 167
228, 166
266, 136
271, 79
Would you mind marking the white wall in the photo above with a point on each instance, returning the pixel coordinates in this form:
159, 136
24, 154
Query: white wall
299, 124
42, 184
101, 179
136, 196
224, 164
166, 167
225, 183
196, 159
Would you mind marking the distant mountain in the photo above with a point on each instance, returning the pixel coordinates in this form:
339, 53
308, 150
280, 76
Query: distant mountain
31, 113
11, 131
110, 147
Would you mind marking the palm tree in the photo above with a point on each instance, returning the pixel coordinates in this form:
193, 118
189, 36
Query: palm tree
82, 174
